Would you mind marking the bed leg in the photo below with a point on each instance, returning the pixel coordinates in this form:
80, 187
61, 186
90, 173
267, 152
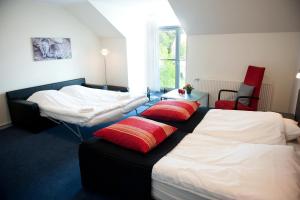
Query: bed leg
79, 133
75, 132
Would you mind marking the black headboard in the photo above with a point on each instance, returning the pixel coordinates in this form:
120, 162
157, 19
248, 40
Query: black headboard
23, 94
297, 112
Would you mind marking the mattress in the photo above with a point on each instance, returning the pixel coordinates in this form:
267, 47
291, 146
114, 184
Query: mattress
216, 168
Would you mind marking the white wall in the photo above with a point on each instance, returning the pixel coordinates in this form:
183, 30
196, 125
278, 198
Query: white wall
226, 57
116, 61
21, 20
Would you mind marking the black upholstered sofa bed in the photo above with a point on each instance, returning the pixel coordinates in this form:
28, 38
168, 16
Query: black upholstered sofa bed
26, 114
108, 168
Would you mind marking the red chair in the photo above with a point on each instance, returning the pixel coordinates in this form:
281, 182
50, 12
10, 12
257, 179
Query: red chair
254, 78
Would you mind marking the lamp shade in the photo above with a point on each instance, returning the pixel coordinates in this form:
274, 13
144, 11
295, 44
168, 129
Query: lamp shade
104, 52
298, 75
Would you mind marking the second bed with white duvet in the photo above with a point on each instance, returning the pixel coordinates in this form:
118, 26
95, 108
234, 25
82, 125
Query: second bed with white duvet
230, 155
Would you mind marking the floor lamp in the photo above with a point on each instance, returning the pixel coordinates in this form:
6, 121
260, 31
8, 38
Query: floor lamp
298, 75
104, 52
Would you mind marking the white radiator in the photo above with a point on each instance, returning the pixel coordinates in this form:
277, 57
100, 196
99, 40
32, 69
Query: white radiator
213, 87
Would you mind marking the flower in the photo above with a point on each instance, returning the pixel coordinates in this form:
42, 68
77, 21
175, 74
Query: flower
188, 86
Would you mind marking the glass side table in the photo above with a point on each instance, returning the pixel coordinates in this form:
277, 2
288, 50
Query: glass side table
202, 97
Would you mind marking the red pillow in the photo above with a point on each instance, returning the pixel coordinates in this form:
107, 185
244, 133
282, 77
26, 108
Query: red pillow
171, 110
136, 133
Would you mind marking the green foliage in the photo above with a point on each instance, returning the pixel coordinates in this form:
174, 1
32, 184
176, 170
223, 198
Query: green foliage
167, 74
167, 46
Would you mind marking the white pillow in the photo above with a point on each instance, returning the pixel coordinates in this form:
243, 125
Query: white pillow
292, 130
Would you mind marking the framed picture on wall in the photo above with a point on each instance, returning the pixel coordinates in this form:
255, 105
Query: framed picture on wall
51, 48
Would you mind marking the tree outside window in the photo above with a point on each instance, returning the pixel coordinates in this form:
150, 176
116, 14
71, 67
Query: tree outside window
172, 44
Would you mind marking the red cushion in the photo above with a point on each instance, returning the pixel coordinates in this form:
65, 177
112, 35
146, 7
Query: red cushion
229, 105
136, 133
171, 110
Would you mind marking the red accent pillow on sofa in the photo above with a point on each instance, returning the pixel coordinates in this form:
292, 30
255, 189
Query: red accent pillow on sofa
171, 110
136, 133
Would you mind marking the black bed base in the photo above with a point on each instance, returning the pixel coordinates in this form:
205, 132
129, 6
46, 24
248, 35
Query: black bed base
109, 169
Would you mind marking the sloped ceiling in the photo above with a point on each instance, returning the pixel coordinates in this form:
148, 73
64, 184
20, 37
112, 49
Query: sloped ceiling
87, 14
129, 16
237, 16
90, 16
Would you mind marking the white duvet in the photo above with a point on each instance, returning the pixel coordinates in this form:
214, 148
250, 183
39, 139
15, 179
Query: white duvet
85, 106
61, 106
218, 168
244, 126
126, 100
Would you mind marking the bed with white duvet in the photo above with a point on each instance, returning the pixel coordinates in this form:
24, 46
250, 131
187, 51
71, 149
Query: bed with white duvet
231, 155
85, 106
206, 167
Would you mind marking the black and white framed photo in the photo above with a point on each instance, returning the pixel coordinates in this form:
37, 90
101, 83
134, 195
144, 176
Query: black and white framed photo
51, 48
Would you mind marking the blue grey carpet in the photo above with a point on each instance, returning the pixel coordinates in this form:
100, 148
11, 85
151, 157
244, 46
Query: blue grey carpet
43, 166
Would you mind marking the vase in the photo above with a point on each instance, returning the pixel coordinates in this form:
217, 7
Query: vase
188, 91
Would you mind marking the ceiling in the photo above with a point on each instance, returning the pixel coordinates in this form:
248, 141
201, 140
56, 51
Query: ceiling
87, 14
237, 16
196, 16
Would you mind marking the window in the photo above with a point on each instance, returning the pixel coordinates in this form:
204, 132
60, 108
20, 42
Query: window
172, 54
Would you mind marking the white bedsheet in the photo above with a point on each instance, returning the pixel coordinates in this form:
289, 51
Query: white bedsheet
126, 100
88, 121
134, 104
244, 126
56, 104
218, 168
